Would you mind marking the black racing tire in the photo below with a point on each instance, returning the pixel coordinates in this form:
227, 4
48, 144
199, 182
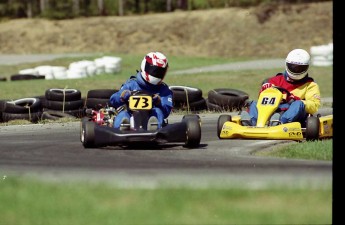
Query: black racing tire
2, 104
192, 116
193, 106
61, 94
221, 120
228, 98
32, 117
193, 131
96, 102
16, 77
101, 93
55, 115
87, 133
312, 128
23, 105
77, 113
213, 107
181, 93
67, 105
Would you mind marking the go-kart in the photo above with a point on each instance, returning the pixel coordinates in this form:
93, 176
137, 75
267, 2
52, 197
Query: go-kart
268, 125
96, 129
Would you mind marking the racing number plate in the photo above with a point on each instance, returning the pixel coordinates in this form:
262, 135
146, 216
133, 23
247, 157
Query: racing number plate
140, 102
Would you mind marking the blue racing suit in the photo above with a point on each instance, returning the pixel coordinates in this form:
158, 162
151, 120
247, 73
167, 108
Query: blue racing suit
307, 99
137, 83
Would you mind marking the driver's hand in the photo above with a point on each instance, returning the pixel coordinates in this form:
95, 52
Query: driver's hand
265, 86
125, 95
291, 98
156, 100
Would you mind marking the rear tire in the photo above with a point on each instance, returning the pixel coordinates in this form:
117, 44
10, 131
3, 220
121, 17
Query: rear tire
87, 133
221, 120
193, 131
312, 128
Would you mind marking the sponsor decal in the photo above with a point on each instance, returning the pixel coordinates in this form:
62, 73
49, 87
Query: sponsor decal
317, 96
295, 134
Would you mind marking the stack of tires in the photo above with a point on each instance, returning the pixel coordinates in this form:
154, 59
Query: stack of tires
226, 99
188, 99
322, 55
98, 98
60, 102
21, 109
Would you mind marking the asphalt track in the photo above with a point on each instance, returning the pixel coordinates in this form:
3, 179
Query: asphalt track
53, 152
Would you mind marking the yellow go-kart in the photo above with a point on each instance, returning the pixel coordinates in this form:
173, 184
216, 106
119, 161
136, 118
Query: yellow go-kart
268, 127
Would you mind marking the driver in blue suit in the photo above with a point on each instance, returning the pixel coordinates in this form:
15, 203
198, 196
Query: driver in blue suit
154, 67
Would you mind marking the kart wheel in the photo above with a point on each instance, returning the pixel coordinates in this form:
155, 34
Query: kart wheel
312, 128
193, 131
221, 120
87, 133
192, 116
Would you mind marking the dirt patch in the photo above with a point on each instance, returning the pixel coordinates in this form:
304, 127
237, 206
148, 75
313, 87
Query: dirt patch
231, 32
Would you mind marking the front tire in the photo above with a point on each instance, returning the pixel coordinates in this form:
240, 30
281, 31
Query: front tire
87, 133
193, 131
221, 120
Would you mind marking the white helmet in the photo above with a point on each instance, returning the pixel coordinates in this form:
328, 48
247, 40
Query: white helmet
297, 64
154, 67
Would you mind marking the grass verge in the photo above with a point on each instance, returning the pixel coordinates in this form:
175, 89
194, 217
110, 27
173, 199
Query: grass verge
24, 201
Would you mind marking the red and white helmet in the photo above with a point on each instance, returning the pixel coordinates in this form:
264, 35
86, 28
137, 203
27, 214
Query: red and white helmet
154, 67
297, 64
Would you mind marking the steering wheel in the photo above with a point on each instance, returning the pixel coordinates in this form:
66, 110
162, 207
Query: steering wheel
283, 91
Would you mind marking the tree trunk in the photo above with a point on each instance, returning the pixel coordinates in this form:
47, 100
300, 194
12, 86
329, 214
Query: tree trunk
121, 9
29, 9
76, 7
168, 5
100, 4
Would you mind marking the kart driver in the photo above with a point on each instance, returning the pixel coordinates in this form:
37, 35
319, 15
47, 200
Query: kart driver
154, 67
305, 93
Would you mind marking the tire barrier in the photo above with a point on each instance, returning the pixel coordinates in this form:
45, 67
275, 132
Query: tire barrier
57, 103
65, 101
75, 70
22, 109
322, 55
98, 98
188, 98
16, 77
226, 99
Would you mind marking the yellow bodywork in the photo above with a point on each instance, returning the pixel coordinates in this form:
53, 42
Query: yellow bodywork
288, 131
326, 126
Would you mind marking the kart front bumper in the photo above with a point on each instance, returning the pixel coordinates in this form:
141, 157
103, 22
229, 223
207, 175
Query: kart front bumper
289, 131
108, 136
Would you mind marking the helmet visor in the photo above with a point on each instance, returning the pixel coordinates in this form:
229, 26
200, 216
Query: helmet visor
155, 71
296, 68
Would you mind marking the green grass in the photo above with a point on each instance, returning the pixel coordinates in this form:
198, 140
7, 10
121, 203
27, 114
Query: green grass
28, 201
314, 150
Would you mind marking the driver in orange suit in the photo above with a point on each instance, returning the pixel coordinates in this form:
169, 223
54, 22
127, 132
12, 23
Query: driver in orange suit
305, 92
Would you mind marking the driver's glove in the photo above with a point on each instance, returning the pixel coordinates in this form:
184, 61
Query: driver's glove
156, 100
265, 86
125, 95
291, 98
